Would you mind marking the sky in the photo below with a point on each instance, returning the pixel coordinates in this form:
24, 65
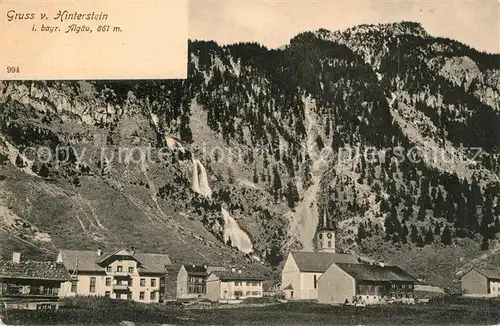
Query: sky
273, 23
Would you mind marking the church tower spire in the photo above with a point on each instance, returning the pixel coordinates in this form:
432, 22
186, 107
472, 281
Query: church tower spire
326, 236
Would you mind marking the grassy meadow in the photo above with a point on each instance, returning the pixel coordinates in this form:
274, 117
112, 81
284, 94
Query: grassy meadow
112, 312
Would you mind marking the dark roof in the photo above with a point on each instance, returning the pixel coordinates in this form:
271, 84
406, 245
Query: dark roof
202, 270
38, 270
88, 261
235, 276
326, 228
489, 273
319, 261
366, 272
195, 268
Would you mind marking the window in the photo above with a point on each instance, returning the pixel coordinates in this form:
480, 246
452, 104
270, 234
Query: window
248, 292
73, 286
329, 244
153, 282
143, 282
191, 289
119, 268
141, 295
152, 296
92, 285
107, 294
130, 282
255, 292
108, 281
238, 293
108, 269
131, 269
315, 282
249, 283
129, 296
237, 283
321, 245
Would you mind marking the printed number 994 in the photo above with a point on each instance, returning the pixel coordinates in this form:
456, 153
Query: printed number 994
12, 70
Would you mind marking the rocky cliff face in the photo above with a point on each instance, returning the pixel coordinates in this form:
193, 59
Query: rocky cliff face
377, 127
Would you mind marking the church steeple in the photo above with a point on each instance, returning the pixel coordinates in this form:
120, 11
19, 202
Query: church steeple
326, 236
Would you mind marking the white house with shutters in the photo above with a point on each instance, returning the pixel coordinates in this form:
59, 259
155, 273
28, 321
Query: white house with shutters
118, 274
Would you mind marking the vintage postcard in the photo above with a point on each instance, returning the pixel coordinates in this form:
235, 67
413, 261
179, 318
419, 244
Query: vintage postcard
249, 162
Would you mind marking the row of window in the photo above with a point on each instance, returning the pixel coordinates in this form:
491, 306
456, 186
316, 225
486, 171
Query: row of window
196, 289
142, 283
119, 268
239, 283
240, 293
193, 279
18, 289
142, 295
329, 245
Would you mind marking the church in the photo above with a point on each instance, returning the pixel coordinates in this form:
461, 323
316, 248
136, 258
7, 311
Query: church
328, 277
302, 270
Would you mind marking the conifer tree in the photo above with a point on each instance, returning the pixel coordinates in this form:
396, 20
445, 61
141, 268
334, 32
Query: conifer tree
255, 176
361, 233
404, 234
485, 244
429, 236
20, 162
437, 229
439, 204
488, 221
446, 236
292, 194
421, 212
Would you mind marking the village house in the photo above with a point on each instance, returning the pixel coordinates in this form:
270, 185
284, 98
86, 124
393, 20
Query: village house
118, 274
364, 283
31, 284
233, 285
191, 280
481, 283
302, 270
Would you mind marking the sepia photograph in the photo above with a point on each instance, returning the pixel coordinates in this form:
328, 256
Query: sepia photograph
321, 163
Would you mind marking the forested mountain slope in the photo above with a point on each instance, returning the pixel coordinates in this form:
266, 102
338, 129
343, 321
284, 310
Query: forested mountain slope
252, 140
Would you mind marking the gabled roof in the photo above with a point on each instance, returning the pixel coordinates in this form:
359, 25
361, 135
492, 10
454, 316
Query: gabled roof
366, 272
88, 261
38, 270
102, 258
489, 273
235, 276
153, 263
318, 262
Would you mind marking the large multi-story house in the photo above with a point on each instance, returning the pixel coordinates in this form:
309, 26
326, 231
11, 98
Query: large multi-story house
234, 285
119, 274
191, 280
31, 284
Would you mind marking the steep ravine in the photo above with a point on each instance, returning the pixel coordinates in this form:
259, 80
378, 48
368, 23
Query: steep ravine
199, 183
